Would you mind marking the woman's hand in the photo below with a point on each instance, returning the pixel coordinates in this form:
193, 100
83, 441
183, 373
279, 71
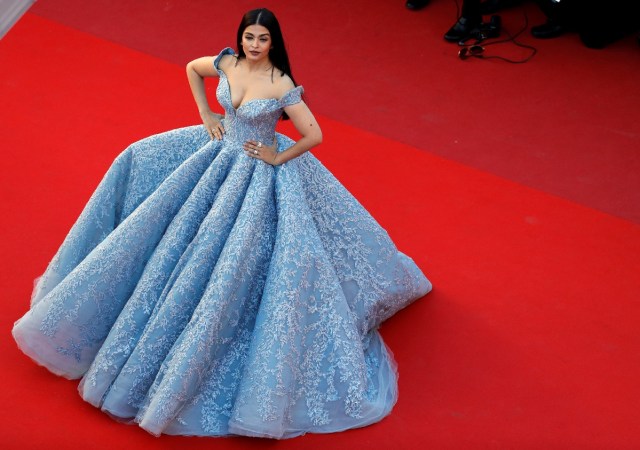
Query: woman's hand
213, 125
262, 151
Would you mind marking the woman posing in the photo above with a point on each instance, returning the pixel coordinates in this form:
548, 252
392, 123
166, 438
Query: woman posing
220, 280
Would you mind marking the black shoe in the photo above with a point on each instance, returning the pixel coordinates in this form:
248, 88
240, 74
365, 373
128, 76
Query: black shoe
415, 5
462, 29
548, 30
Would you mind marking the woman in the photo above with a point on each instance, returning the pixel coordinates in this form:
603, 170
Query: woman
220, 280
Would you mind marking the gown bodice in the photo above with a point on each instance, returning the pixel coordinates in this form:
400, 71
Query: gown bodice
253, 119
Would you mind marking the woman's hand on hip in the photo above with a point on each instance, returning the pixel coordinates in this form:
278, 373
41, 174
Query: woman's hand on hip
262, 151
213, 124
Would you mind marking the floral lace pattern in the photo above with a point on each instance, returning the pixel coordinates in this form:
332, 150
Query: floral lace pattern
202, 292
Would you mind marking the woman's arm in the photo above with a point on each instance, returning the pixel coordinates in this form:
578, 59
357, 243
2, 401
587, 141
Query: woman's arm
306, 124
197, 70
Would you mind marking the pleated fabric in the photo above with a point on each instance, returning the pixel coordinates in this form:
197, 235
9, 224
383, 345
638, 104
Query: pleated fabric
203, 292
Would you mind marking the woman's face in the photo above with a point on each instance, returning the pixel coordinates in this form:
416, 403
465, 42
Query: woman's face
256, 42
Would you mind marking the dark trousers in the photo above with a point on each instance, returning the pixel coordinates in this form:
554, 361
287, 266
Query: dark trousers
604, 22
471, 9
599, 22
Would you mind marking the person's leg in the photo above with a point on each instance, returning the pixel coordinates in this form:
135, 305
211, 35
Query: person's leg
605, 22
561, 17
492, 6
471, 9
469, 19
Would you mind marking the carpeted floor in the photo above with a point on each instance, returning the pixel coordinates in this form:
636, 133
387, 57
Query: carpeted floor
565, 123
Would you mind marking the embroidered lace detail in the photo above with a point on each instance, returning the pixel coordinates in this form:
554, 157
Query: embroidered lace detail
205, 292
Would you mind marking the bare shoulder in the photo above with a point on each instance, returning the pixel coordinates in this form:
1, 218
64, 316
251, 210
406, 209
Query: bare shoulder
283, 84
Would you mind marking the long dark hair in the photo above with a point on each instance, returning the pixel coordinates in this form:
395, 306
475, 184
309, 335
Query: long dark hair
278, 53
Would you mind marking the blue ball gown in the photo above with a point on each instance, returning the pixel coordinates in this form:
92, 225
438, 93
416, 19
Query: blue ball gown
203, 292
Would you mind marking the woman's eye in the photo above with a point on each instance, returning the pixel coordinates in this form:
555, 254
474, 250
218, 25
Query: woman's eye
263, 40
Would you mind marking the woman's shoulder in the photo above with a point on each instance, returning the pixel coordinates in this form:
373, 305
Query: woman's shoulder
283, 84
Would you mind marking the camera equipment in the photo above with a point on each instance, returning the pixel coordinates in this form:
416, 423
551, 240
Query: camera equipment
492, 30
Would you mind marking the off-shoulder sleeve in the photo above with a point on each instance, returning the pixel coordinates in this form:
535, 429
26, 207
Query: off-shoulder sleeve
292, 96
226, 51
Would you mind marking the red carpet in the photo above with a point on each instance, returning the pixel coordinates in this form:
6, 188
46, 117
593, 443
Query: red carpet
529, 339
565, 123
